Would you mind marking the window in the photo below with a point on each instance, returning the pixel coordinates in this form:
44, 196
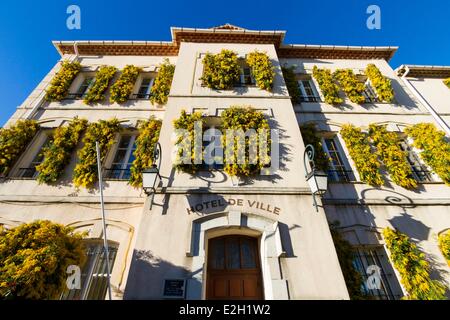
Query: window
30, 172
369, 92
123, 159
246, 77
388, 286
338, 171
211, 143
308, 92
145, 89
94, 281
420, 171
88, 81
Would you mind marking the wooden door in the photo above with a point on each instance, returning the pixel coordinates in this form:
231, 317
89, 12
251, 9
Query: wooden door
234, 270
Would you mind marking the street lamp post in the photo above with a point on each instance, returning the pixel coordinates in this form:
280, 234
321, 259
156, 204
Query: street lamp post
317, 179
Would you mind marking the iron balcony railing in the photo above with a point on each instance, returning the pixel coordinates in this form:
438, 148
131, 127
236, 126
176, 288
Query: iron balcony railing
341, 175
116, 174
309, 99
140, 96
27, 173
74, 96
422, 175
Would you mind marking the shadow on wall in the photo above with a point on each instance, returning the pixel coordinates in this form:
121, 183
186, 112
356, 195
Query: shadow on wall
147, 274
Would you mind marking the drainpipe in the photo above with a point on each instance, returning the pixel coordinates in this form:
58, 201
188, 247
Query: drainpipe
75, 48
423, 101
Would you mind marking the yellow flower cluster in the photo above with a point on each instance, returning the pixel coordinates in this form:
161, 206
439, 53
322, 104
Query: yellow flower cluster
330, 90
34, 258
365, 160
123, 87
57, 154
60, 84
103, 131
435, 148
103, 78
350, 84
221, 70
244, 118
444, 245
262, 69
13, 141
186, 122
393, 157
381, 84
413, 268
447, 82
161, 87
145, 146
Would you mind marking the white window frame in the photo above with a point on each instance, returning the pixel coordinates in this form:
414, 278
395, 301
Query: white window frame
149, 89
303, 95
96, 244
342, 157
435, 177
388, 275
133, 137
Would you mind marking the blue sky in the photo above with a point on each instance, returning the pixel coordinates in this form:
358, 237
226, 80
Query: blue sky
420, 28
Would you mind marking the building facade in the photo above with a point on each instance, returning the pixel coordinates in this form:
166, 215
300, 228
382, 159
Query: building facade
210, 235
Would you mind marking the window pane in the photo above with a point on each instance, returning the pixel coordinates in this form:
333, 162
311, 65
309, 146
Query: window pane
233, 253
363, 259
248, 254
217, 259
93, 274
124, 142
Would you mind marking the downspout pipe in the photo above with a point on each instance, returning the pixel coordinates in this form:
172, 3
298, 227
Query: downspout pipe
425, 103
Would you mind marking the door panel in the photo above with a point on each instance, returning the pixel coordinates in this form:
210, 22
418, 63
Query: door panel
234, 269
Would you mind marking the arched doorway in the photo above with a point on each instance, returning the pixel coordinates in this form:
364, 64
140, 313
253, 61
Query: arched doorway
234, 268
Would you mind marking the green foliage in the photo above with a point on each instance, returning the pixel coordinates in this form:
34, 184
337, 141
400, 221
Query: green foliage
394, 158
145, 146
309, 134
262, 69
60, 84
161, 87
221, 70
57, 154
186, 122
103, 78
444, 245
291, 84
413, 268
381, 84
350, 84
435, 148
103, 131
345, 253
244, 118
34, 258
330, 90
365, 160
14, 140
447, 82
123, 87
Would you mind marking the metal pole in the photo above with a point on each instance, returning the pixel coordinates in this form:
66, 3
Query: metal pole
105, 241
